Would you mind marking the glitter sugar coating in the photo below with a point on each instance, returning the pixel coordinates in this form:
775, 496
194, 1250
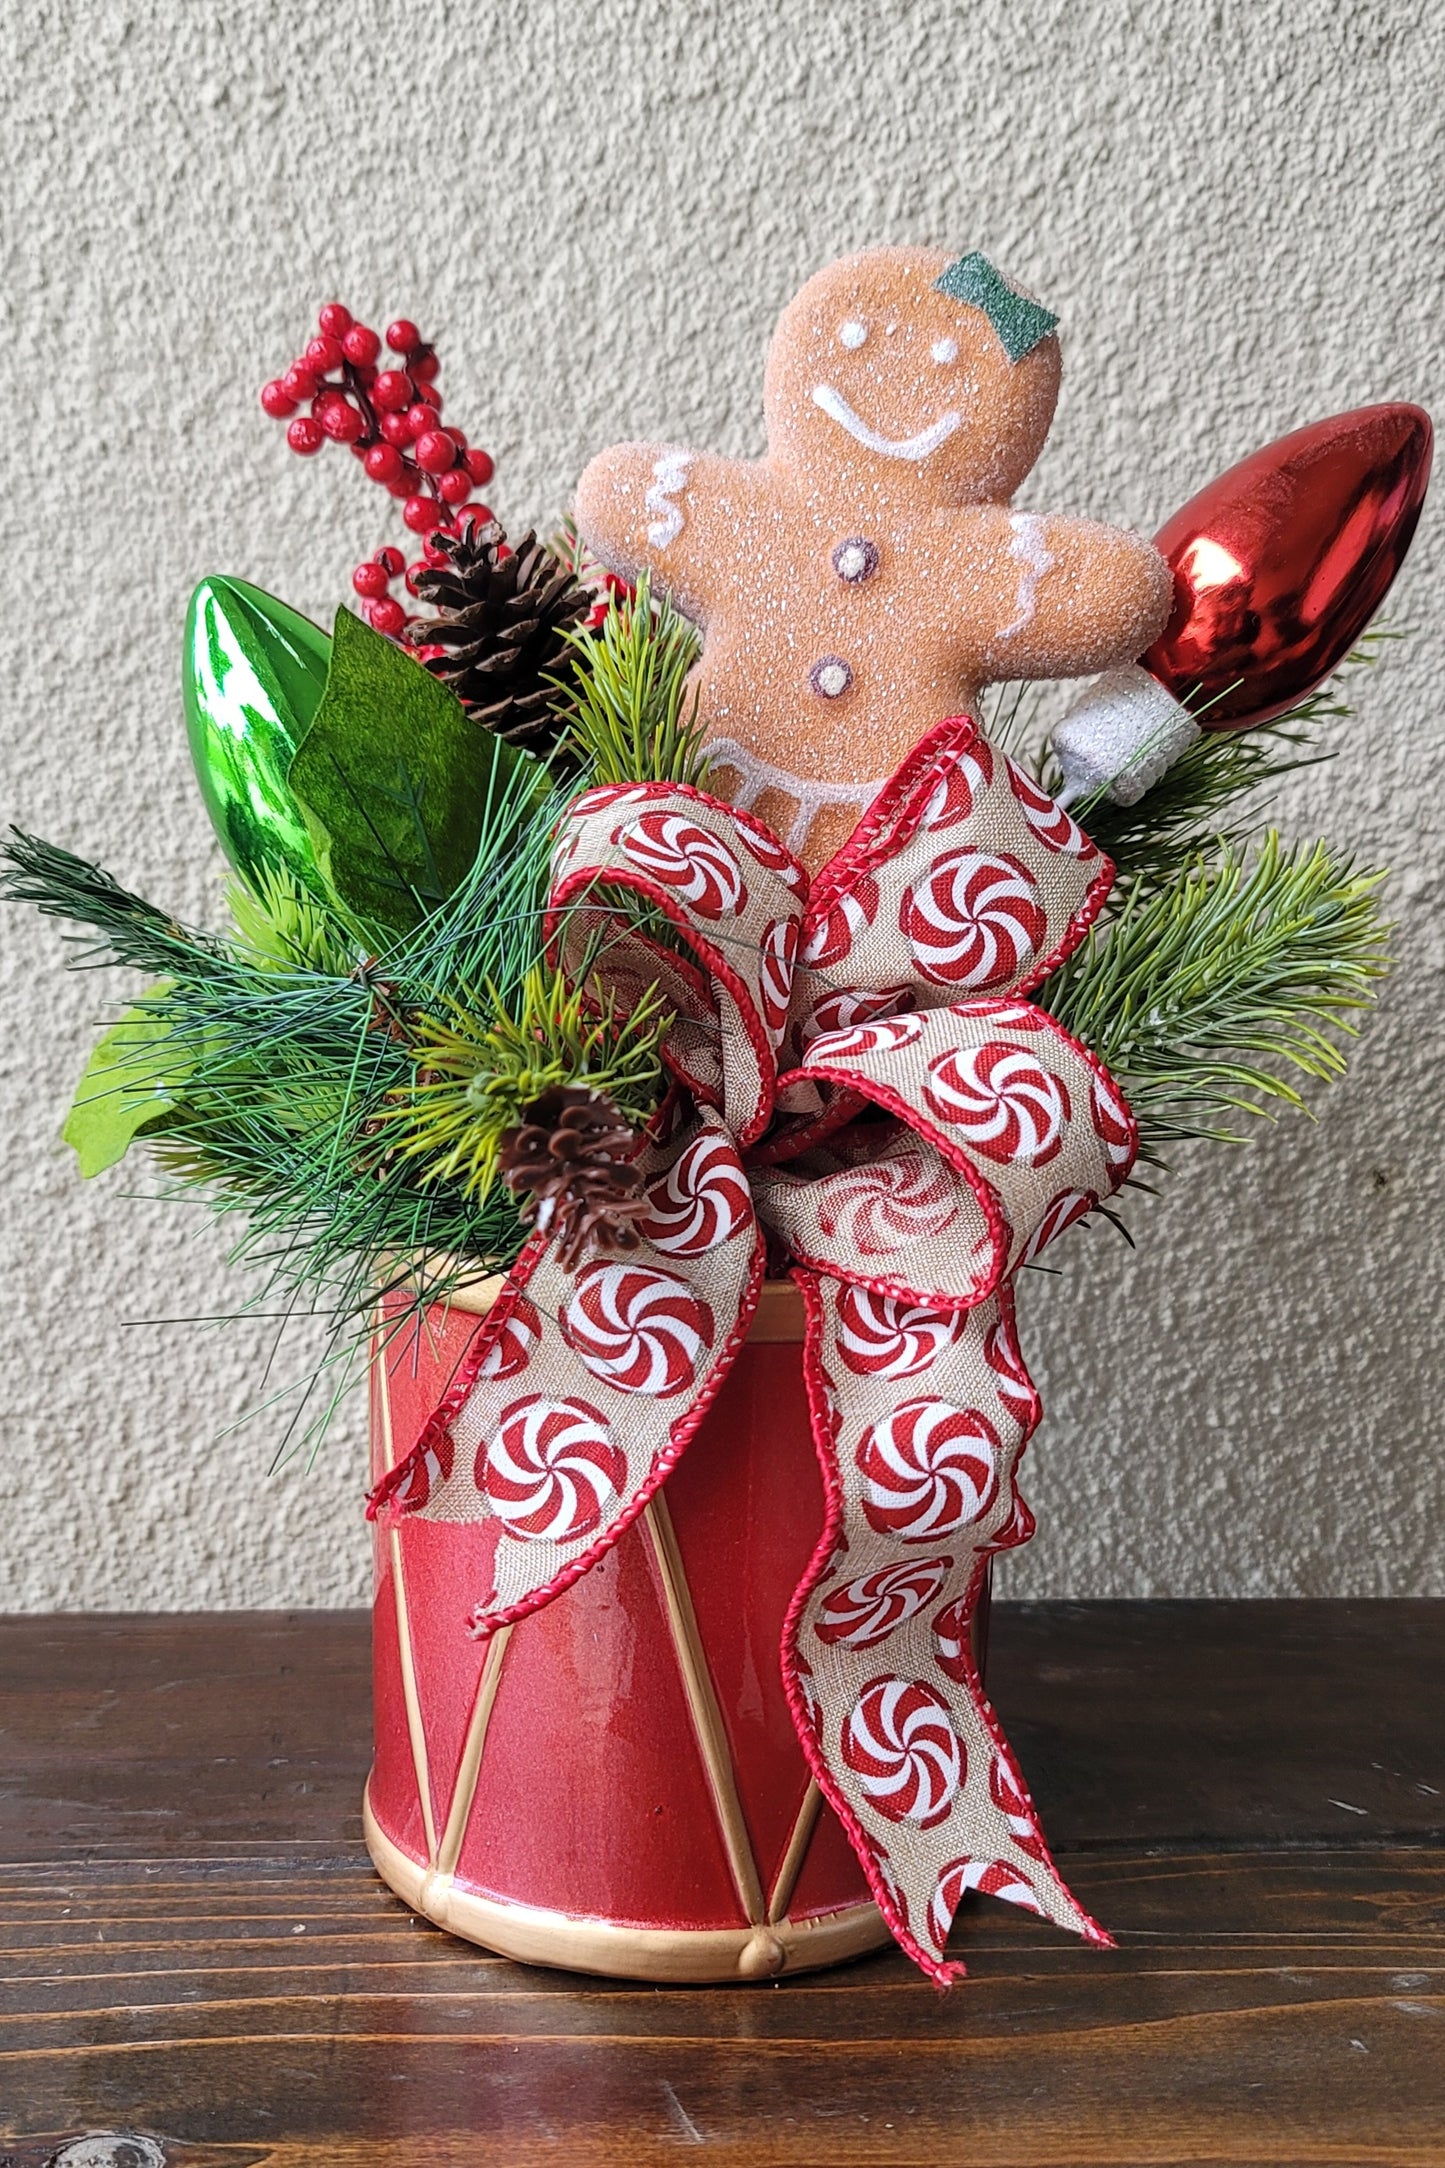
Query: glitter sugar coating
899, 427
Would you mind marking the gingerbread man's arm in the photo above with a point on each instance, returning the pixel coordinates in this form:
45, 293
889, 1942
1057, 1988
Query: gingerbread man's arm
1070, 596
684, 517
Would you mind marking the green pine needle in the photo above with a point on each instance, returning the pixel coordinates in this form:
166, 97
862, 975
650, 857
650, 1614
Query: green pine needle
1202, 996
632, 718
479, 1066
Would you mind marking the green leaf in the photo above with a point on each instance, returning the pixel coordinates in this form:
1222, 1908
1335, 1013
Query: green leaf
395, 779
253, 675
125, 1089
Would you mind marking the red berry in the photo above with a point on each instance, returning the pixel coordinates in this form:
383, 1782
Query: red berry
335, 320
481, 513
458, 436
388, 616
479, 465
434, 556
402, 336
277, 401
455, 487
415, 572
299, 382
324, 354
392, 563
435, 451
361, 345
425, 365
370, 580
392, 390
396, 429
383, 462
430, 396
404, 483
420, 513
342, 423
305, 436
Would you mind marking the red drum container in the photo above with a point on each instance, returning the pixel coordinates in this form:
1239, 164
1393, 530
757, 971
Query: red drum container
614, 1784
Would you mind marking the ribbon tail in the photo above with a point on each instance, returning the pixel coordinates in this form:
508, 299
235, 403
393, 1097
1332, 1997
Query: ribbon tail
919, 1417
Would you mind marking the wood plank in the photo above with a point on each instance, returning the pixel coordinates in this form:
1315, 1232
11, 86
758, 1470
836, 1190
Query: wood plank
1274, 2003
192, 1945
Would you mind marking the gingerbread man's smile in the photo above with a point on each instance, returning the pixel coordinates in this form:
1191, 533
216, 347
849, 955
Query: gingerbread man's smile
921, 446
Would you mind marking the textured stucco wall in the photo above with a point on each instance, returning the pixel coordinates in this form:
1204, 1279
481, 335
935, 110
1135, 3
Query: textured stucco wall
1234, 205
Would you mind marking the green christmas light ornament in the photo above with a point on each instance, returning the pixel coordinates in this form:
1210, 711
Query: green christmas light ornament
253, 676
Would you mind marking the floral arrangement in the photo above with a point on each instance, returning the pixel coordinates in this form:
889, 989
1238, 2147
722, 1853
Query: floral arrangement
509, 986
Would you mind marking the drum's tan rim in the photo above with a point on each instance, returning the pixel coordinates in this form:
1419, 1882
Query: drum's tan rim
778, 1317
681, 1955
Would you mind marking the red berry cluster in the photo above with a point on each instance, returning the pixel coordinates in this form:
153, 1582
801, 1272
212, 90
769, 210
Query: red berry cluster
391, 418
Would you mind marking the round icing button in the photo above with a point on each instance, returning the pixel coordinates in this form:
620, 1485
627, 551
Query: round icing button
830, 676
856, 559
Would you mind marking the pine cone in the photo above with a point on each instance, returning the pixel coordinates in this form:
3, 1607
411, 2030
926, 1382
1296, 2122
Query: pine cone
501, 630
565, 1159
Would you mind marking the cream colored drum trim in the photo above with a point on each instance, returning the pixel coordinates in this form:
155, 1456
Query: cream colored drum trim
702, 1704
536, 1937
416, 1730
798, 1842
470, 1766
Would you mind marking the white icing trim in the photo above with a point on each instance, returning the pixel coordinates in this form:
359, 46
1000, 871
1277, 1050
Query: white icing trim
927, 441
669, 480
755, 775
1029, 550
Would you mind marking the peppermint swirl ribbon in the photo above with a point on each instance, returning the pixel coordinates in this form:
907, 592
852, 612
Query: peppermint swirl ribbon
895, 983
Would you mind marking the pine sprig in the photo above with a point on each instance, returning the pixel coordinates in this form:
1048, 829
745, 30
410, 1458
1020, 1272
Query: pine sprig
631, 717
1203, 996
479, 1065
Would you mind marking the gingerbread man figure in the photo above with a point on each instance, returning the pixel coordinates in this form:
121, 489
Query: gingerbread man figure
866, 577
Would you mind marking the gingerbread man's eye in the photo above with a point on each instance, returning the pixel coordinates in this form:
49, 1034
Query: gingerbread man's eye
944, 351
851, 333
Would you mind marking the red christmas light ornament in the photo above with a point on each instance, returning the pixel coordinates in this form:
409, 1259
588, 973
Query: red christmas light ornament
1278, 565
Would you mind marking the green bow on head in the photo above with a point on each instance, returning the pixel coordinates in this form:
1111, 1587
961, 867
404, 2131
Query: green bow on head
1019, 322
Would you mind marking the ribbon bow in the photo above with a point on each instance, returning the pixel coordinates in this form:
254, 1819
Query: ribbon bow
863, 1079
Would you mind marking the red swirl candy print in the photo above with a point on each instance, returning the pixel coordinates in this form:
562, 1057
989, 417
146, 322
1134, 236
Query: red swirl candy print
929, 1468
885, 1336
512, 1349
769, 853
853, 1005
702, 1200
550, 1471
975, 920
1015, 1387
1008, 1106
828, 941
692, 861
868, 1609
1013, 1803
424, 1470
962, 774
1052, 823
990, 1877
883, 1208
1066, 1210
640, 1330
775, 972
900, 1743
856, 1041
1113, 1124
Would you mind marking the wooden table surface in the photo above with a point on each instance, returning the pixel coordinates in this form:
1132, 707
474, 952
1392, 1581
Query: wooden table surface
1251, 1795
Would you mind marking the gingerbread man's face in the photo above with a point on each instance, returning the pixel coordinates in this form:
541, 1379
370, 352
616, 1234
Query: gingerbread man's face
884, 384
